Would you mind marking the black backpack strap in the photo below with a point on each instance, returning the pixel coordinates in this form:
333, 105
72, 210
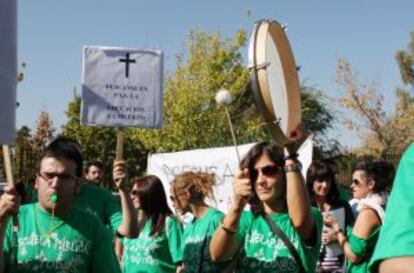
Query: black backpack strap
287, 242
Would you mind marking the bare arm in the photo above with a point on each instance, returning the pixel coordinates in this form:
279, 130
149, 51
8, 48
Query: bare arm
129, 225
9, 205
397, 265
298, 203
224, 244
365, 223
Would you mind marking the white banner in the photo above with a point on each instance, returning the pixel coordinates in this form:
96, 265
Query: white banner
221, 161
122, 87
8, 70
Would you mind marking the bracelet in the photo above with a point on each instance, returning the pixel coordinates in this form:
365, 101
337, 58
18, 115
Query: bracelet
296, 167
227, 229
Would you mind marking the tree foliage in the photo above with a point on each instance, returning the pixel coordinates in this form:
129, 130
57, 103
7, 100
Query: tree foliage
382, 133
405, 61
192, 119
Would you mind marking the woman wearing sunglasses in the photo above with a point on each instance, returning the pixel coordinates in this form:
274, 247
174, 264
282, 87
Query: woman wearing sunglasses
324, 194
281, 233
371, 182
188, 191
158, 247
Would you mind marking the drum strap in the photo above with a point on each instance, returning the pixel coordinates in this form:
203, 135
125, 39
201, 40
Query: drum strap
287, 242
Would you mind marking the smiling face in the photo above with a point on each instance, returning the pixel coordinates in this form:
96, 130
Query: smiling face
321, 188
361, 185
56, 176
270, 183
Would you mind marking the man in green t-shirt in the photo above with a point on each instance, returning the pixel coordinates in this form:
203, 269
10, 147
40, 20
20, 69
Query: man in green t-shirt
53, 235
116, 213
93, 173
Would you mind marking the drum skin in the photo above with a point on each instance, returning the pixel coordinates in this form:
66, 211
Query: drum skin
274, 80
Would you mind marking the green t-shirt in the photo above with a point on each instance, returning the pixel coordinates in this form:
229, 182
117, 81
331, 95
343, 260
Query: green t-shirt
263, 251
396, 238
197, 237
101, 203
154, 254
362, 248
76, 243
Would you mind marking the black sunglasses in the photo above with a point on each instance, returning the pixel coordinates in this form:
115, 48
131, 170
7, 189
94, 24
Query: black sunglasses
269, 170
135, 192
356, 182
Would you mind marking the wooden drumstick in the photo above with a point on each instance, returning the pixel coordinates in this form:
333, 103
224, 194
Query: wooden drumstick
10, 180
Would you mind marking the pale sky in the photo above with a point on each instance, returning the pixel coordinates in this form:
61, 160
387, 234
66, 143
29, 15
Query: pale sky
51, 34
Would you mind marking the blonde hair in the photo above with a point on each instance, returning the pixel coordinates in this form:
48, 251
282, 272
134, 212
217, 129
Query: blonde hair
198, 184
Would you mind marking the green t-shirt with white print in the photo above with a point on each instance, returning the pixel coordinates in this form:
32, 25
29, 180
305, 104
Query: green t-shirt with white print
197, 237
264, 252
75, 243
154, 254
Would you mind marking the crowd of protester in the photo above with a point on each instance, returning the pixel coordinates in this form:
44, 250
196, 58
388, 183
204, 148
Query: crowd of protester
278, 221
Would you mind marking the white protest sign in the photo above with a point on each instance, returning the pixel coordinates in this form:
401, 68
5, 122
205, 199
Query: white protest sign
8, 70
221, 161
122, 87
305, 152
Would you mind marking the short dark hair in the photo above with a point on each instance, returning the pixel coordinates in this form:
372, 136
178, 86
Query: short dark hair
321, 171
381, 171
67, 148
92, 163
275, 153
153, 201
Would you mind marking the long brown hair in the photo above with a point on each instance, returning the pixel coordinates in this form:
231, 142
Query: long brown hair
153, 201
275, 153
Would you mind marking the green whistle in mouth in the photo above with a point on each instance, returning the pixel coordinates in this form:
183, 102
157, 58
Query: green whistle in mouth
54, 198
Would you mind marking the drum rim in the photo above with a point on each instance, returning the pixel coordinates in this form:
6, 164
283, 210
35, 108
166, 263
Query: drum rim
259, 78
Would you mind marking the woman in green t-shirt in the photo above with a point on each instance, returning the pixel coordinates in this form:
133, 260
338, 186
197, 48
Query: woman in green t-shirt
270, 180
188, 191
158, 247
371, 181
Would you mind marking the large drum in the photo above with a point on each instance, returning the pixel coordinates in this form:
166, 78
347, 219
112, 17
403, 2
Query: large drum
274, 80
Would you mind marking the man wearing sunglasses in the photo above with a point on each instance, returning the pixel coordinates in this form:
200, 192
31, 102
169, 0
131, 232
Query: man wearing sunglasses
52, 235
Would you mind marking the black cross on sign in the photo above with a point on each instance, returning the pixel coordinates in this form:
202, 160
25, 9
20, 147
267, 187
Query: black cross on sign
127, 60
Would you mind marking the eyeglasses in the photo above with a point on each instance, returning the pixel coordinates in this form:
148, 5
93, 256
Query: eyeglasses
269, 170
356, 182
49, 176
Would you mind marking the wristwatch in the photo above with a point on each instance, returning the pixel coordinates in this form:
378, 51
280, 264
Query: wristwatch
295, 167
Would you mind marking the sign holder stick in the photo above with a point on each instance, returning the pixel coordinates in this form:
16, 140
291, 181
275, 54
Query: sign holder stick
9, 177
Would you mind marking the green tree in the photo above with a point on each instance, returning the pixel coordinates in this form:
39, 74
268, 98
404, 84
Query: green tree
383, 134
25, 157
191, 117
405, 59
99, 144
